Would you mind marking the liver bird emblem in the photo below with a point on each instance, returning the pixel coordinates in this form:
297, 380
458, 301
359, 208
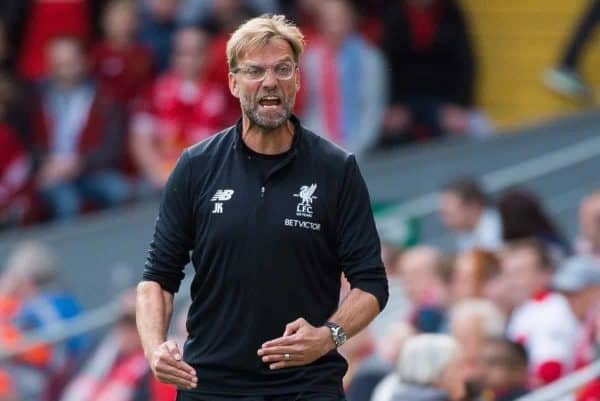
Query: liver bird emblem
306, 194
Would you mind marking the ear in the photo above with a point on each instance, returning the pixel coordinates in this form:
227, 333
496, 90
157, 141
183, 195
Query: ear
233, 85
297, 80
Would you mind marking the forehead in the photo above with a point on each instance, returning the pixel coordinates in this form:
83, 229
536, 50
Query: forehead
450, 198
275, 50
519, 257
190, 37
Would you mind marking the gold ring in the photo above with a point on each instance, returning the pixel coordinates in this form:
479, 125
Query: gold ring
286, 357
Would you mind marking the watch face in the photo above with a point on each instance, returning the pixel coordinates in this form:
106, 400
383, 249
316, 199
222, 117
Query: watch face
337, 333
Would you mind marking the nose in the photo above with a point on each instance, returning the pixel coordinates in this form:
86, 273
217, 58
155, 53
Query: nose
270, 81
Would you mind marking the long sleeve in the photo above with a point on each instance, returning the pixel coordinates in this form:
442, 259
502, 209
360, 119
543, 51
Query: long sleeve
170, 248
358, 243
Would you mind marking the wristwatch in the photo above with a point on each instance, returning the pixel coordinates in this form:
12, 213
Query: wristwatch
338, 335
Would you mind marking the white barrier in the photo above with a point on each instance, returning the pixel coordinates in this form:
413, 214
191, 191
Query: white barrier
561, 390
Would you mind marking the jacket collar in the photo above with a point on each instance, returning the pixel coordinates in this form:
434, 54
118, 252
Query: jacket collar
298, 133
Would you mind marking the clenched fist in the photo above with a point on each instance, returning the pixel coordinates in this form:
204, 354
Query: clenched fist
168, 367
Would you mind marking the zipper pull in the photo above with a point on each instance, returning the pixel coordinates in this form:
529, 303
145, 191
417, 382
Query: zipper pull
262, 192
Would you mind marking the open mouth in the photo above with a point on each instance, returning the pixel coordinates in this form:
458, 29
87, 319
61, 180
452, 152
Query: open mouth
270, 101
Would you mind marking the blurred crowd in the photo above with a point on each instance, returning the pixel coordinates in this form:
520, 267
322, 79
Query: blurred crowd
98, 98
88, 366
512, 307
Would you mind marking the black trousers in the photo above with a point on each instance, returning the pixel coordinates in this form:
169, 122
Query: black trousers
186, 396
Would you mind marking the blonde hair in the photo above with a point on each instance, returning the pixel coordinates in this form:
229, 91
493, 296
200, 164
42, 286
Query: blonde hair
258, 32
492, 320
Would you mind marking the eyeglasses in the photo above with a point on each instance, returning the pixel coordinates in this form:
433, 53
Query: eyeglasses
282, 71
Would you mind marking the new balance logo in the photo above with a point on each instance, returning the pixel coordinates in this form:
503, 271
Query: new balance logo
222, 195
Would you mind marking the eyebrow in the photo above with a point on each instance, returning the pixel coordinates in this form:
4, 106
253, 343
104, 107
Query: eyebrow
283, 60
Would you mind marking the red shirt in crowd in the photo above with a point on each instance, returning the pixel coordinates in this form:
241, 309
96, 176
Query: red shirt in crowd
122, 72
48, 19
179, 113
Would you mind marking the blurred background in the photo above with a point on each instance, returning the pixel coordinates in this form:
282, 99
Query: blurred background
475, 124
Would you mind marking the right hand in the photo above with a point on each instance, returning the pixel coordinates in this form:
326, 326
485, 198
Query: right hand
168, 367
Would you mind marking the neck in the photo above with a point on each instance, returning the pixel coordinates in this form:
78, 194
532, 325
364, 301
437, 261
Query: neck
267, 142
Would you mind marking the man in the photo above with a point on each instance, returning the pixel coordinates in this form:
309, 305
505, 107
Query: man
157, 26
273, 214
464, 210
80, 136
345, 96
471, 322
183, 107
504, 368
578, 279
542, 320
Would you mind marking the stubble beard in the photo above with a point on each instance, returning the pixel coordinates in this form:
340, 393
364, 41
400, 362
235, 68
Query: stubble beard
267, 122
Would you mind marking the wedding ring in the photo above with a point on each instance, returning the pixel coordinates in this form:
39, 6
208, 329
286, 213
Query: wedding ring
286, 357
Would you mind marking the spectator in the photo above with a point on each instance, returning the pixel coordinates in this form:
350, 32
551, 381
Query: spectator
345, 79
387, 332
119, 62
397, 307
523, 216
182, 108
425, 277
117, 368
432, 70
465, 210
542, 321
192, 11
429, 369
224, 18
46, 20
589, 225
80, 136
504, 364
476, 274
471, 322
578, 279
30, 279
158, 25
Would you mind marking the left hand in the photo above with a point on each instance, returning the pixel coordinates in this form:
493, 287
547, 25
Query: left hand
303, 343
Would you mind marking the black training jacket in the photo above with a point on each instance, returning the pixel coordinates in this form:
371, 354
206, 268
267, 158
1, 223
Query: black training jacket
265, 251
